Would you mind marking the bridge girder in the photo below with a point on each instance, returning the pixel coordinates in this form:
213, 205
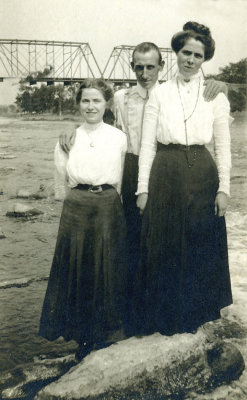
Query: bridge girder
20, 58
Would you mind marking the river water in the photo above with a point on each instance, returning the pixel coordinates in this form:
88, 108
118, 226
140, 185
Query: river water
26, 162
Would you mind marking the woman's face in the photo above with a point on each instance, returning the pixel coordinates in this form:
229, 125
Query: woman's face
92, 105
190, 57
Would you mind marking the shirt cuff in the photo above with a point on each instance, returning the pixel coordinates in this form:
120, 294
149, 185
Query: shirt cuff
224, 187
142, 188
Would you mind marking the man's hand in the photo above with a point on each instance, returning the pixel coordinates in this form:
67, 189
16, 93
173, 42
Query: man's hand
142, 201
66, 141
220, 204
212, 88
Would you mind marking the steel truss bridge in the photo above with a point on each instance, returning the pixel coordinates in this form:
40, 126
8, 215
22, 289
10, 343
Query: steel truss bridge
70, 62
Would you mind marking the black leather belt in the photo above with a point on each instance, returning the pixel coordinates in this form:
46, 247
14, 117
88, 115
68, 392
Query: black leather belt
92, 188
184, 147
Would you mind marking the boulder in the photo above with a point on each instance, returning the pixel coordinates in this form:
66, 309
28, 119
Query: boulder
2, 235
41, 193
21, 282
24, 381
25, 194
6, 170
23, 210
153, 367
6, 156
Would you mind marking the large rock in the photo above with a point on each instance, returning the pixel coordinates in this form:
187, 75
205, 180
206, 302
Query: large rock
153, 367
6, 156
6, 170
23, 210
21, 282
23, 382
2, 235
41, 193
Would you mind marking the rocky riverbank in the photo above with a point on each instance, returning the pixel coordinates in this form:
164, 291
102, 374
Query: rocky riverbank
151, 367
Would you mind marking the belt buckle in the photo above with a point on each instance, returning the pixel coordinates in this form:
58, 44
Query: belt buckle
95, 189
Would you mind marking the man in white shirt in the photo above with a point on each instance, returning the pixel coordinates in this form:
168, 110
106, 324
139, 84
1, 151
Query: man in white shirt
129, 105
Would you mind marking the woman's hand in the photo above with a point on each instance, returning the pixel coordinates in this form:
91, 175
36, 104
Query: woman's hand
66, 141
220, 204
213, 88
142, 201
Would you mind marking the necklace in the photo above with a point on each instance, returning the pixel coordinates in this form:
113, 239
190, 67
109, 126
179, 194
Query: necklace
190, 161
92, 133
186, 119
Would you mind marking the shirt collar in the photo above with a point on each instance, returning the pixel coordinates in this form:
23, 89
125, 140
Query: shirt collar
92, 127
191, 79
143, 92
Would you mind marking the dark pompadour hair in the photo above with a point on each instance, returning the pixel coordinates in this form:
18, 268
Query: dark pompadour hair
197, 32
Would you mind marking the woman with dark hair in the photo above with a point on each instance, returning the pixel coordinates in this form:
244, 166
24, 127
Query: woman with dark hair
183, 278
86, 293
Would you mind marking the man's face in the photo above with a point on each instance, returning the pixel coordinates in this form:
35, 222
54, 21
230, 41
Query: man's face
146, 67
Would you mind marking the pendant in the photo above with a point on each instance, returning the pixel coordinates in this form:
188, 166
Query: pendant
91, 144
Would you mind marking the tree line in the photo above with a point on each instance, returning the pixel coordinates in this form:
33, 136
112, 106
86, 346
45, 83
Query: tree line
39, 99
235, 73
60, 99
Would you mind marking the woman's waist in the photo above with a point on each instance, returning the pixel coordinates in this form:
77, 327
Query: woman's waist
181, 147
92, 179
93, 188
88, 197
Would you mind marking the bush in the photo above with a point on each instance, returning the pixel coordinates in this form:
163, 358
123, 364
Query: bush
237, 99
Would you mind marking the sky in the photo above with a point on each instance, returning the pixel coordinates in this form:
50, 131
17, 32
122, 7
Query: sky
108, 23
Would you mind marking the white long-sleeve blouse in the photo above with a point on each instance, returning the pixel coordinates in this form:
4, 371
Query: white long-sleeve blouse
169, 104
96, 158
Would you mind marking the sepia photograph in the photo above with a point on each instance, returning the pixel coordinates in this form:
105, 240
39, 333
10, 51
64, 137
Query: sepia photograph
123, 200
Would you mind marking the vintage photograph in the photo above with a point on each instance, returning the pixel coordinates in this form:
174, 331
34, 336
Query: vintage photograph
123, 200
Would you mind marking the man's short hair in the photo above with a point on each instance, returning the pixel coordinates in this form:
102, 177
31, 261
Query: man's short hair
144, 47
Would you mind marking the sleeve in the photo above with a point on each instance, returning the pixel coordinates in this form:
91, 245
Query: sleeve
123, 152
222, 141
149, 142
60, 173
118, 109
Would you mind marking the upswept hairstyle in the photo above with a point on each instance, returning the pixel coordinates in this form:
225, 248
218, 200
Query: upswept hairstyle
99, 84
144, 47
197, 32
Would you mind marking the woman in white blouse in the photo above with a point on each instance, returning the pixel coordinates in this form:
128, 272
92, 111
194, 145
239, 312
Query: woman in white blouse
183, 280
86, 293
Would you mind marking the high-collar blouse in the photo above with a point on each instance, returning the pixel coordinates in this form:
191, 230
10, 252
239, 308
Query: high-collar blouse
129, 110
96, 158
169, 105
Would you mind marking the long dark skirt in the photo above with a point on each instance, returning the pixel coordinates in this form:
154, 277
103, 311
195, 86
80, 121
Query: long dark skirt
86, 293
183, 278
